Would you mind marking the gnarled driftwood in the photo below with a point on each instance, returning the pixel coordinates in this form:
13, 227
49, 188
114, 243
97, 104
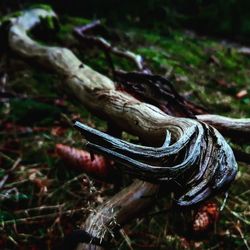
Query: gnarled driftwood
196, 155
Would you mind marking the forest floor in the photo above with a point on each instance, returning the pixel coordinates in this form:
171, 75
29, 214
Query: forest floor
42, 198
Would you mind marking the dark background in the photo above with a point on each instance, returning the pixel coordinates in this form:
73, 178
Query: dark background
227, 19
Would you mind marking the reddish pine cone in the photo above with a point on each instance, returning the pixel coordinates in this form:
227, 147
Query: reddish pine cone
205, 217
94, 165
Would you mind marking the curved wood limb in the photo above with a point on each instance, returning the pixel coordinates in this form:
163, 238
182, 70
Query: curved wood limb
159, 91
206, 152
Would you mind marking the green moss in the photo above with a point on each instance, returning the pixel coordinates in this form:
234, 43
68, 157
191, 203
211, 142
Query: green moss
41, 6
8, 17
68, 24
189, 57
50, 22
29, 111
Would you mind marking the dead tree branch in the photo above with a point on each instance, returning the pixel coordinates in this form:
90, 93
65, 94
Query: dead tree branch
203, 154
159, 91
82, 34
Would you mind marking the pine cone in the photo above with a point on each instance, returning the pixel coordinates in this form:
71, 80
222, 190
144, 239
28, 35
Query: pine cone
205, 217
94, 165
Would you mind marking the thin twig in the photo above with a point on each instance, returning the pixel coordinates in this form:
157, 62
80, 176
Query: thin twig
238, 216
242, 236
66, 184
4, 179
16, 163
126, 239
39, 217
39, 209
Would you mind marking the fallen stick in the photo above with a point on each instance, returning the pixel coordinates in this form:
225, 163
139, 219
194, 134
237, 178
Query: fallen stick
82, 34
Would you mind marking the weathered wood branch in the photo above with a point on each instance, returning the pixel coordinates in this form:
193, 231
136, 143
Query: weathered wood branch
160, 92
205, 161
184, 162
118, 210
82, 34
231, 127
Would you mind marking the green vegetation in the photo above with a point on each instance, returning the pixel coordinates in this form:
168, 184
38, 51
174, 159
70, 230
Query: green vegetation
211, 73
40, 6
204, 70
